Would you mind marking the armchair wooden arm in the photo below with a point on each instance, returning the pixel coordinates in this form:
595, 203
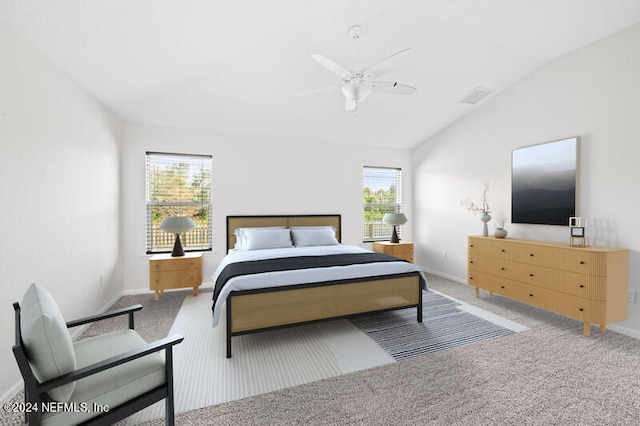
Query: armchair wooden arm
117, 312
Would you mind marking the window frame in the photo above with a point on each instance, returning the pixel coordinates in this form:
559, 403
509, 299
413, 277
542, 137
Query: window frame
368, 235
149, 204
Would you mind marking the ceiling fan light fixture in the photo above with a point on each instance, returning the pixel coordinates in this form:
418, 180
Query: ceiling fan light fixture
355, 91
354, 32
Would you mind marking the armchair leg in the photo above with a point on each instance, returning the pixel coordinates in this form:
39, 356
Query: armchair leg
169, 406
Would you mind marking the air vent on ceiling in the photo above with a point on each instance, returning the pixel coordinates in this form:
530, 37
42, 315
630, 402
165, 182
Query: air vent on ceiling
476, 95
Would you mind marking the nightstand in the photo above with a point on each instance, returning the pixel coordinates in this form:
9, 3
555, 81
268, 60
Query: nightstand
166, 272
403, 249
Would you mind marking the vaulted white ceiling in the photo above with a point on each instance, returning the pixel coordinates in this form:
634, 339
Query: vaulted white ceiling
236, 65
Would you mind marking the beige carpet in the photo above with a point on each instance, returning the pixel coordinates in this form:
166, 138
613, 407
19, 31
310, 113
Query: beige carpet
549, 375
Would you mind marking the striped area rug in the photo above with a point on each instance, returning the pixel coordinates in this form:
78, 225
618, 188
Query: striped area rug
444, 326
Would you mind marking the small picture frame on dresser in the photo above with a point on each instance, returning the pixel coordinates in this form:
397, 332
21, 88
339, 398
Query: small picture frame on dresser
577, 231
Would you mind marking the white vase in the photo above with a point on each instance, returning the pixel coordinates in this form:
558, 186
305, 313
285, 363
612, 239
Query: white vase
485, 217
500, 233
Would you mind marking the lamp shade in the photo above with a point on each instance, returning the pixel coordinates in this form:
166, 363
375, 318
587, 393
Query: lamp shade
177, 224
394, 219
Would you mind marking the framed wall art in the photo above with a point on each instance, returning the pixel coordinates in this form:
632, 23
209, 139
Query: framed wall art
543, 183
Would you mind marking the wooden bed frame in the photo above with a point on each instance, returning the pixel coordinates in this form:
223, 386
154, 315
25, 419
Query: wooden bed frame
251, 311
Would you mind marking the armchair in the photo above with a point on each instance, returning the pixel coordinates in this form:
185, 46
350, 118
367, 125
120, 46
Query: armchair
94, 381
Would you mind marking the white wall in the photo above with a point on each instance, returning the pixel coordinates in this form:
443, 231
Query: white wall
591, 93
59, 168
253, 175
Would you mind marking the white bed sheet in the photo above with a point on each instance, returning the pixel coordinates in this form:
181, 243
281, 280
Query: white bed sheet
301, 276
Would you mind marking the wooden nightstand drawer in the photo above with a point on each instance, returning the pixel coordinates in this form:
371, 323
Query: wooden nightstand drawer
402, 250
174, 279
175, 264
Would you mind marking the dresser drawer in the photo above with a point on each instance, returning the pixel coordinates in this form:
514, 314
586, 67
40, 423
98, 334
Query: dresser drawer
492, 248
582, 309
494, 284
587, 286
536, 296
574, 260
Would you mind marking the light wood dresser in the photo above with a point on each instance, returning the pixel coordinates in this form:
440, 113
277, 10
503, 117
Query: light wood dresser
166, 272
403, 249
585, 283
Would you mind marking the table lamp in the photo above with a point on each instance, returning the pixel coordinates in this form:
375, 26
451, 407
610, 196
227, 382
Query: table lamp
394, 219
177, 225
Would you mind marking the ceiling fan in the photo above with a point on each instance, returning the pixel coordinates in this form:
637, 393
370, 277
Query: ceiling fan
357, 85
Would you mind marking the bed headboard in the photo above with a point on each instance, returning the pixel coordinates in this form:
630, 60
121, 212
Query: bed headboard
234, 222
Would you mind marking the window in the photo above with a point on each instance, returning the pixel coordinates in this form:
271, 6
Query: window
178, 185
382, 194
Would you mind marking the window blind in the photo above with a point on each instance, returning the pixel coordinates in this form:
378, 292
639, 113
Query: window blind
382, 193
178, 185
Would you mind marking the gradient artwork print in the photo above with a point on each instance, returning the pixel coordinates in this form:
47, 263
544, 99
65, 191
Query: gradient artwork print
543, 183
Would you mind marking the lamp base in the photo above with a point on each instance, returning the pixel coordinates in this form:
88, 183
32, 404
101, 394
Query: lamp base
394, 236
177, 247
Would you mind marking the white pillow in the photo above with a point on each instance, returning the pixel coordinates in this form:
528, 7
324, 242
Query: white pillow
47, 340
259, 239
314, 236
241, 240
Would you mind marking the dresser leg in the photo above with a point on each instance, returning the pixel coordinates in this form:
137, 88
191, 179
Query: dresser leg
157, 295
603, 327
195, 291
477, 292
587, 329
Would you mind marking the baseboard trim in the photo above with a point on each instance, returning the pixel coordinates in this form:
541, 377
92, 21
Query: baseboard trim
624, 330
443, 275
136, 291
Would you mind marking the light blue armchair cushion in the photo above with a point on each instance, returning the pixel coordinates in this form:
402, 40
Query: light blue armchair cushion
47, 340
114, 386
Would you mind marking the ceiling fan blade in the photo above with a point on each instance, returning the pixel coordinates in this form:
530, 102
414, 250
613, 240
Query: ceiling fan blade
392, 87
368, 69
332, 66
312, 91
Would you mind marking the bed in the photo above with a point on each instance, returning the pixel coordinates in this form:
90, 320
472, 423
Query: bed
278, 286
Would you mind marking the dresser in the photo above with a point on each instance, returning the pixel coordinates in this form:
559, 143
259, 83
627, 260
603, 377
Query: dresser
585, 283
403, 249
166, 272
